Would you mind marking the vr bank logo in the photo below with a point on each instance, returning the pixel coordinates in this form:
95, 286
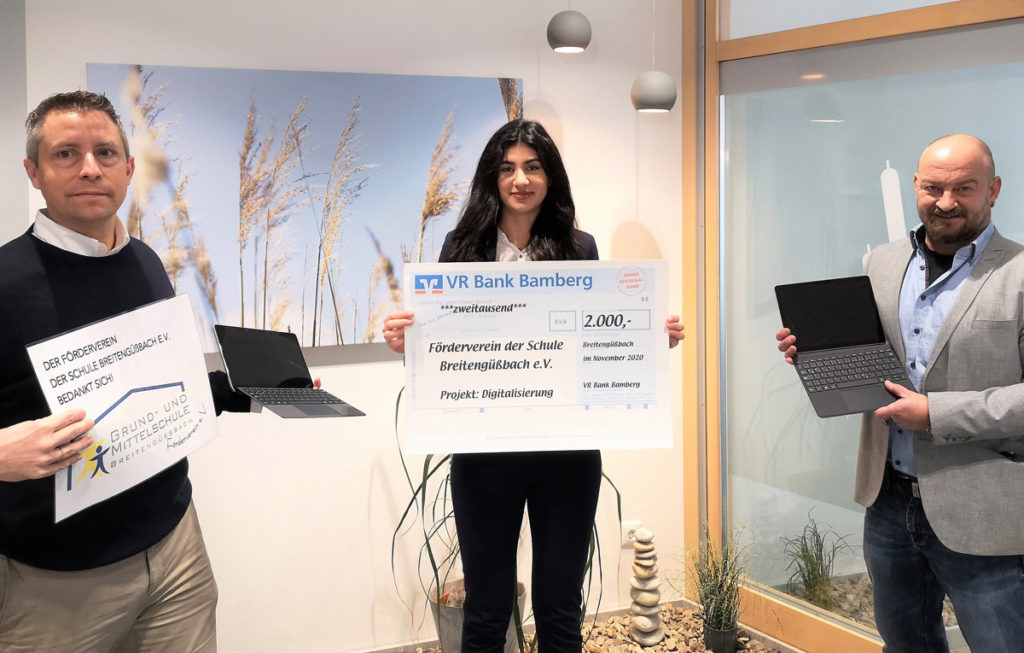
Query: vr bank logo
428, 283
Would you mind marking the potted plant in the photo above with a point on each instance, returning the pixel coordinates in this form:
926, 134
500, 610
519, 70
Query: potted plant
716, 572
430, 511
431, 502
447, 614
812, 556
430, 508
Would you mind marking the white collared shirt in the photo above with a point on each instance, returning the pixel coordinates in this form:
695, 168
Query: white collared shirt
506, 251
60, 236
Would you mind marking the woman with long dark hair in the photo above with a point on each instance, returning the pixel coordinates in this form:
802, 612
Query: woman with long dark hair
520, 208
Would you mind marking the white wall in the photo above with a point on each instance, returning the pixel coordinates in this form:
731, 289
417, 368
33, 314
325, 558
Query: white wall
13, 182
298, 515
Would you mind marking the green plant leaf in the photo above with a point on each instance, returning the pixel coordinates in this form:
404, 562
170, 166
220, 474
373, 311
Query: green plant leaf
811, 558
717, 576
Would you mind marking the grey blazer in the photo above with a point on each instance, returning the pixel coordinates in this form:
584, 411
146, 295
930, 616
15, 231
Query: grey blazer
971, 489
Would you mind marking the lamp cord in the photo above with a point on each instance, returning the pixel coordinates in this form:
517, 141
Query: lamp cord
654, 29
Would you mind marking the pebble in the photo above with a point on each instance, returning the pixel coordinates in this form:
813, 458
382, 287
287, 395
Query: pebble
645, 583
648, 610
643, 535
644, 572
641, 547
645, 597
644, 623
648, 639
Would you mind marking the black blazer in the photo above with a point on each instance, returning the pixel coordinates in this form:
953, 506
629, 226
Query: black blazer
584, 239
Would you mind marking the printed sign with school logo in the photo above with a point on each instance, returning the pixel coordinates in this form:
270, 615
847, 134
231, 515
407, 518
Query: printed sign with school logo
546, 355
142, 379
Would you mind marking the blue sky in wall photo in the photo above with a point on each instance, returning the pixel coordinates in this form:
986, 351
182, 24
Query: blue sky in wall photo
289, 200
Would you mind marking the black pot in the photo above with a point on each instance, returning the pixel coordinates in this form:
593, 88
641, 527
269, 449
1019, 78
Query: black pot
720, 641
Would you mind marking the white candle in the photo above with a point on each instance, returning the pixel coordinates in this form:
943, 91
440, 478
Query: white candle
893, 203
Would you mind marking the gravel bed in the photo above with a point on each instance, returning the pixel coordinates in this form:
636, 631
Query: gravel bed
683, 634
851, 598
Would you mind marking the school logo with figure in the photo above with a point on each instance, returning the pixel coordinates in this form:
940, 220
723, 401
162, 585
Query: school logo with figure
95, 464
131, 436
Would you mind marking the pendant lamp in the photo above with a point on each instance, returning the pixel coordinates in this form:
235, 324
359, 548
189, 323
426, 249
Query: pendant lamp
653, 91
569, 32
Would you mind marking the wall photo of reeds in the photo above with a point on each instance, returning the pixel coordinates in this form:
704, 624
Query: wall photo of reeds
290, 200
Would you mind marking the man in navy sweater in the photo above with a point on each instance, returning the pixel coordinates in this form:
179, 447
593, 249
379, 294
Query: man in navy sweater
130, 573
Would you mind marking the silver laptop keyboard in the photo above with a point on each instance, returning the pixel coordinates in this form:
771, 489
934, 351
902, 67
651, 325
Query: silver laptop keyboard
290, 396
851, 369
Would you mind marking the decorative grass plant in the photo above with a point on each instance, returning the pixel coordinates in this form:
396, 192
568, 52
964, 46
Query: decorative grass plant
429, 511
812, 557
716, 573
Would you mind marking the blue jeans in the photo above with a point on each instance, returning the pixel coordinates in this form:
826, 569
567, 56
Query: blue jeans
912, 571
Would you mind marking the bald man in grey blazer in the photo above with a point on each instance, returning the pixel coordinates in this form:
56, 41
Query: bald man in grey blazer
941, 470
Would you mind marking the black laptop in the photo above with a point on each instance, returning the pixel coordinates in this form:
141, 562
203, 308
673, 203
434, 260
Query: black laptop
842, 356
269, 367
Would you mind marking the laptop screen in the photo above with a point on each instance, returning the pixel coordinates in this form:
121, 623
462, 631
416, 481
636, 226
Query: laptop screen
830, 313
264, 359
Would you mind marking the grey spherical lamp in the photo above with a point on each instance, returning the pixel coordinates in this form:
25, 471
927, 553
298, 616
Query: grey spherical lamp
653, 91
569, 31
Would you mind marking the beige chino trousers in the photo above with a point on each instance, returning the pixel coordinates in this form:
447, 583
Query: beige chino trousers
161, 600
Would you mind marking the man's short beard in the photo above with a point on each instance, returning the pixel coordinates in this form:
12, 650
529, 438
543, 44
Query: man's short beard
947, 237
939, 234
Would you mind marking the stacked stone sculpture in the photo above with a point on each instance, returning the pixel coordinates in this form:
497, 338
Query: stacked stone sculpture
645, 619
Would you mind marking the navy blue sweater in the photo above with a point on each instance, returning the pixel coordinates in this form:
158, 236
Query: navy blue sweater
45, 291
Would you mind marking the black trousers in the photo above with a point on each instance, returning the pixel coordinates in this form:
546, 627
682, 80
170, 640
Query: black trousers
489, 492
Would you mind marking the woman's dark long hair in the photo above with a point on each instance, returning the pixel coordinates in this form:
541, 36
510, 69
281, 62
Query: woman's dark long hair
552, 236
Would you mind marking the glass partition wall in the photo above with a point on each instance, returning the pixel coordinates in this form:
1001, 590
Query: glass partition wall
741, 18
817, 154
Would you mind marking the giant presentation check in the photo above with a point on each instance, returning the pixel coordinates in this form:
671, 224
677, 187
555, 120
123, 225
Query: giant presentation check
537, 356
